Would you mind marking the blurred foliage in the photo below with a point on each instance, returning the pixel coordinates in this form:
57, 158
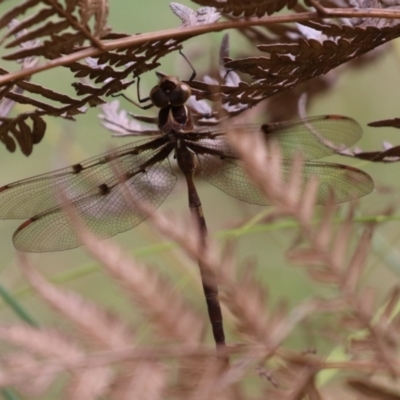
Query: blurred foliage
366, 94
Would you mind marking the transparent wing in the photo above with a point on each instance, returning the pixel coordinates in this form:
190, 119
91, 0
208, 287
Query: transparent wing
345, 182
35, 195
96, 192
314, 137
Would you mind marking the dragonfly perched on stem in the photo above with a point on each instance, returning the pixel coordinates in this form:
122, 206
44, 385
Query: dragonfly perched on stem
98, 194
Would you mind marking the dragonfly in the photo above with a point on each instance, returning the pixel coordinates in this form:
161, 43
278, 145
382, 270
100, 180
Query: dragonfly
99, 194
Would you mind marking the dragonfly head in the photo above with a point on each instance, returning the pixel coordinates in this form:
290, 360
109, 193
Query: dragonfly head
169, 91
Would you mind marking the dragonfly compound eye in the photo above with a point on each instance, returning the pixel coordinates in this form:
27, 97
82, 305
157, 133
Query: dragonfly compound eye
158, 97
180, 95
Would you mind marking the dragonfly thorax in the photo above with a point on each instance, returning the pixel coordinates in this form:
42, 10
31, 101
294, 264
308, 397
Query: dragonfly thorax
175, 119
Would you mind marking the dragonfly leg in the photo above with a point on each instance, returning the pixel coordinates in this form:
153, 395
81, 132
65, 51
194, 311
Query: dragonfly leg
194, 73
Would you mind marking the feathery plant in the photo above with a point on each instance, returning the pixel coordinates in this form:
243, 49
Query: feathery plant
103, 356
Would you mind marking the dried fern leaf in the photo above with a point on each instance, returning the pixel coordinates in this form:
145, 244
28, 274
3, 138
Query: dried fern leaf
167, 311
256, 8
98, 325
204, 15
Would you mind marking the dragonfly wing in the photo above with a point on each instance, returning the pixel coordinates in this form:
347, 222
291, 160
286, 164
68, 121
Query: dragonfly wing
231, 178
38, 194
314, 137
97, 195
105, 214
344, 182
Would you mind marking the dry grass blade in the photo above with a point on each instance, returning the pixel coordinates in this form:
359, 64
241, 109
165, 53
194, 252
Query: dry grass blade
146, 381
295, 180
165, 309
106, 330
307, 201
62, 354
296, 382
371, 390
353, 271
89, 384
391, 306
342, 239
203, 377
46, 343
257, 158
21, 369
313, 257
206, 382
247, 301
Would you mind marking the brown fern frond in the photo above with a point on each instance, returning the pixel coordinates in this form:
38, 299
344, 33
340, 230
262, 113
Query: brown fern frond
20, 370
203, 377
146, 380
100, 327
251, 8
325, 251
98, 9
26, 136
368, 389
55, 18
389, 311
112, 68
164, 308
389, 153
289, 64
364, 328
247, 301
42, 342
117, 121
295, 55
112, 78
51, 353
89, 384
352, 275
189, 17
